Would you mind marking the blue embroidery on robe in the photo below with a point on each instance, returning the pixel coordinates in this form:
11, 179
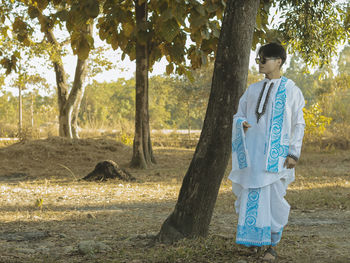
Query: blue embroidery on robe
238, 145
249, 234
276, 149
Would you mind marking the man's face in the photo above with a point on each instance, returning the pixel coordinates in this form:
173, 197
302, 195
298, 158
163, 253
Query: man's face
268, 65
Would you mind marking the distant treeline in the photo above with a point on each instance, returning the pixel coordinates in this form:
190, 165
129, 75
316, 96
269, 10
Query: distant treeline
176, 102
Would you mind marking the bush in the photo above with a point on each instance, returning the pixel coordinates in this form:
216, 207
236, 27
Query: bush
316, 123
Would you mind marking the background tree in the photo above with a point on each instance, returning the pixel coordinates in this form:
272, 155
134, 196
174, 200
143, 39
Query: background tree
49, 16
147, 31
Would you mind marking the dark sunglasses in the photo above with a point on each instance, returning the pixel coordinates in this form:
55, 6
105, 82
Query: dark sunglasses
263, 60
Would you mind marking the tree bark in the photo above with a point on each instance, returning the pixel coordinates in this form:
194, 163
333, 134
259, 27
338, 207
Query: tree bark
75, 114
197, 197
142, 146
78, 93
62, 89
79, 88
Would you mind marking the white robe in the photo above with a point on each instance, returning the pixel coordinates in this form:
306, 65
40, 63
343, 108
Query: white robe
256, 139
260, 190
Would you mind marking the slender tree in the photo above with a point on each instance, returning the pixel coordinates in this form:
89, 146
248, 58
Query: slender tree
48, 15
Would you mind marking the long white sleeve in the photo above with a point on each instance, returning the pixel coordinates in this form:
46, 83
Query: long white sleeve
298, 124
242, 107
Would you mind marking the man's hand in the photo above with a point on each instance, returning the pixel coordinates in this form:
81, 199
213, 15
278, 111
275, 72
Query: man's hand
290, 163
246, 125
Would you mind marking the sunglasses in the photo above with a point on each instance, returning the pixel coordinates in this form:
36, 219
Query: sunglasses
263, 60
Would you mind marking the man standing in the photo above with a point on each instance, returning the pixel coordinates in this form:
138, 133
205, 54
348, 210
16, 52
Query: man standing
267, 135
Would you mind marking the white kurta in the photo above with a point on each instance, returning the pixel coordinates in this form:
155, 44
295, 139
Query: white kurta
257, 137
258, 177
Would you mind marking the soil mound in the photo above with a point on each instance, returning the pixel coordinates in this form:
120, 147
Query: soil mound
60, 157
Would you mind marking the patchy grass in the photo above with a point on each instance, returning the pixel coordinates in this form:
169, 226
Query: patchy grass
125, 215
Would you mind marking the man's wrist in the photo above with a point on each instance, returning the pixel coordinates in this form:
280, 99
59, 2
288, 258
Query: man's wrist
294, 157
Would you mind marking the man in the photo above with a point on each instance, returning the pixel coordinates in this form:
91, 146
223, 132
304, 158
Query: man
267, 135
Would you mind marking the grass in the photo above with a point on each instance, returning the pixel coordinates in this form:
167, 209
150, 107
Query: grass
123, 215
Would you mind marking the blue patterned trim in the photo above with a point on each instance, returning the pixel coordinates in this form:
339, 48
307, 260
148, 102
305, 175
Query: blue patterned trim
253, 236
238, 145
249, 234
276, 149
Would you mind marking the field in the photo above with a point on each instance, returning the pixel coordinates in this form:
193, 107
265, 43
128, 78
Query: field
48, 215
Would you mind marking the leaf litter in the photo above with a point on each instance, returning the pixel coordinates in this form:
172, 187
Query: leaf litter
125, 216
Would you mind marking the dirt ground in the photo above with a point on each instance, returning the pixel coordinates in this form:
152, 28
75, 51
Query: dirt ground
48, 215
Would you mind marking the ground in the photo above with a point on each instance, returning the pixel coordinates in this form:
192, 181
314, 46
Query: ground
47, 214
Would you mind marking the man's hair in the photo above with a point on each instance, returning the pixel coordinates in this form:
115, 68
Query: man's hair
273, 50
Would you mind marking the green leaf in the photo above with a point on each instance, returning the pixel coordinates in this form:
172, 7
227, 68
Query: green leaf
62, 15
42, 4
205, 33
166, 15
169, 68
33, 12
214, 26
211, 7
258, 21
200, 9
92, 8
128, 29
83, 50
114, 43
180, 13
189, 75
198, 21
169, 30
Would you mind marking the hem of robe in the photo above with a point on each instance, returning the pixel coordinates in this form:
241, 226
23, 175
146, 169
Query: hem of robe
252, 235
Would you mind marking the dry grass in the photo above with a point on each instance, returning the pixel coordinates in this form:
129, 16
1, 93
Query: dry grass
121, 214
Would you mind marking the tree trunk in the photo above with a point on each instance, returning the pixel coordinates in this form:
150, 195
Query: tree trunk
142, 146
78, 93
197, 197
20, 118
75, 114
65, 119
62, 90
189, 121
79, 88
32, 112
69, 104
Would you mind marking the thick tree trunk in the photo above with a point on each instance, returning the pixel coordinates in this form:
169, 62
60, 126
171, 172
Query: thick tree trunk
142, 146
194, 208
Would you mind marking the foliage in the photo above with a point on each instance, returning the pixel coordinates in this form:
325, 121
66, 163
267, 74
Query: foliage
315, 122
313, 28
166, 30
